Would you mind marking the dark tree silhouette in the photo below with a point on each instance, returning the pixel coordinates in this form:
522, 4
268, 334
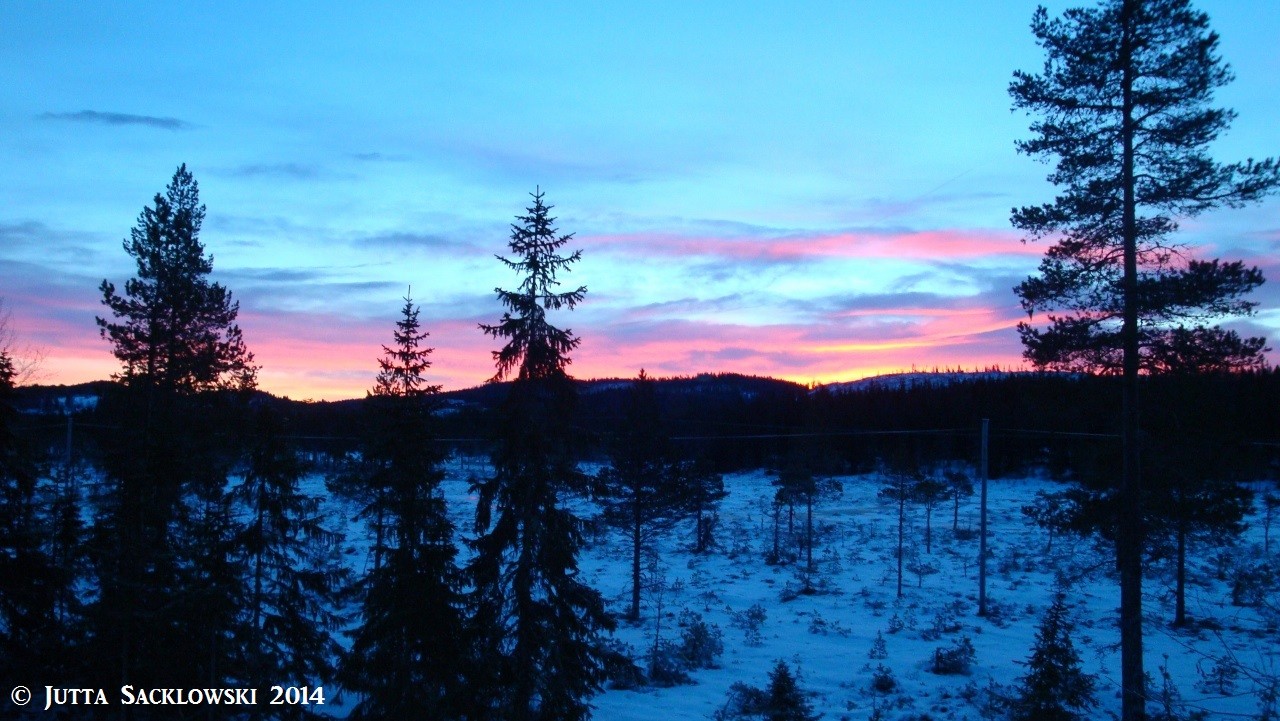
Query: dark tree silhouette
1192, 476
174, 329
165, 608
408, 655
1054, 512
796, 484
538, 624
292, 577
785, 701
1124, 105
704, 490
1055, 687
34, 641
959, 484
928, 492
643, 490
899, 488
781, 700
1270, 503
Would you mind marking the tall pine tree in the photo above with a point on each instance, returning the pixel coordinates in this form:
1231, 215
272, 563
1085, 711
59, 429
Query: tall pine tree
407, 655
538, 624
155, 621
1124, 105
173, 329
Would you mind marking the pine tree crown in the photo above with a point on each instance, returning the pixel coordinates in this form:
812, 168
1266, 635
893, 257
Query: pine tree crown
174, 328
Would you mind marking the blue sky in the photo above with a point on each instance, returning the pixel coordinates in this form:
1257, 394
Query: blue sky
817, 191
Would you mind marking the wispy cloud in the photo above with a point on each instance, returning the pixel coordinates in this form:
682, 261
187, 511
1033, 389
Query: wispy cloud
62, 251
320, 291
290, 171
376, 157
878, 209
562, 162
272, 275
404, 240
106, 118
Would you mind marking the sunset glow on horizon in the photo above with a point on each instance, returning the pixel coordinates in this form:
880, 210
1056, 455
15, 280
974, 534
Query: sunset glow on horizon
816, 192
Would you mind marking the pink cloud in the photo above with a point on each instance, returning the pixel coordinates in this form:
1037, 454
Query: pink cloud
918, 245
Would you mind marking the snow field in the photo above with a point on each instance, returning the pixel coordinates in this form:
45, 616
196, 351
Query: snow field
827, 637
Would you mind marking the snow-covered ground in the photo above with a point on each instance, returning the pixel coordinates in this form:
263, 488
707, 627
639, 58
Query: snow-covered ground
828, 637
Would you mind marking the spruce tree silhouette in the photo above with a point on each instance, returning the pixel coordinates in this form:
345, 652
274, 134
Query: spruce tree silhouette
408, 654
539, 653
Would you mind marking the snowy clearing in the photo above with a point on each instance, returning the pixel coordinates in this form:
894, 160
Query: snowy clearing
828, 636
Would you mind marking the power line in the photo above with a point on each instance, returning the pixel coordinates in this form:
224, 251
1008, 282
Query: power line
827, 434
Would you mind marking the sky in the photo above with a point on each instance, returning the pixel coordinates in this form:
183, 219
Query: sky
815, 191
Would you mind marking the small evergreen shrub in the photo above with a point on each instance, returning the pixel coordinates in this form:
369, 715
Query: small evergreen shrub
1252, 583
666, 667
750, 622
1055, 688
700, 643
1000, 614
882, 680
956, 660
782, 700
1169, 705
945, 622
742, 701
879, 650
786, 701
895, 623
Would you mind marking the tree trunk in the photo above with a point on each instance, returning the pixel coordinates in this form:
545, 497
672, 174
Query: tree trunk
699, 529
928, 529
379, 529
1266, 530
635, 562
1129, 531
808, 572
258, 553
777, 519
902, 517
1180, 603
983, 471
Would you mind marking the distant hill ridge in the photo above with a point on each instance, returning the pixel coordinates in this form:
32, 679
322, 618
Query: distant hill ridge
56, 398
933, 379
